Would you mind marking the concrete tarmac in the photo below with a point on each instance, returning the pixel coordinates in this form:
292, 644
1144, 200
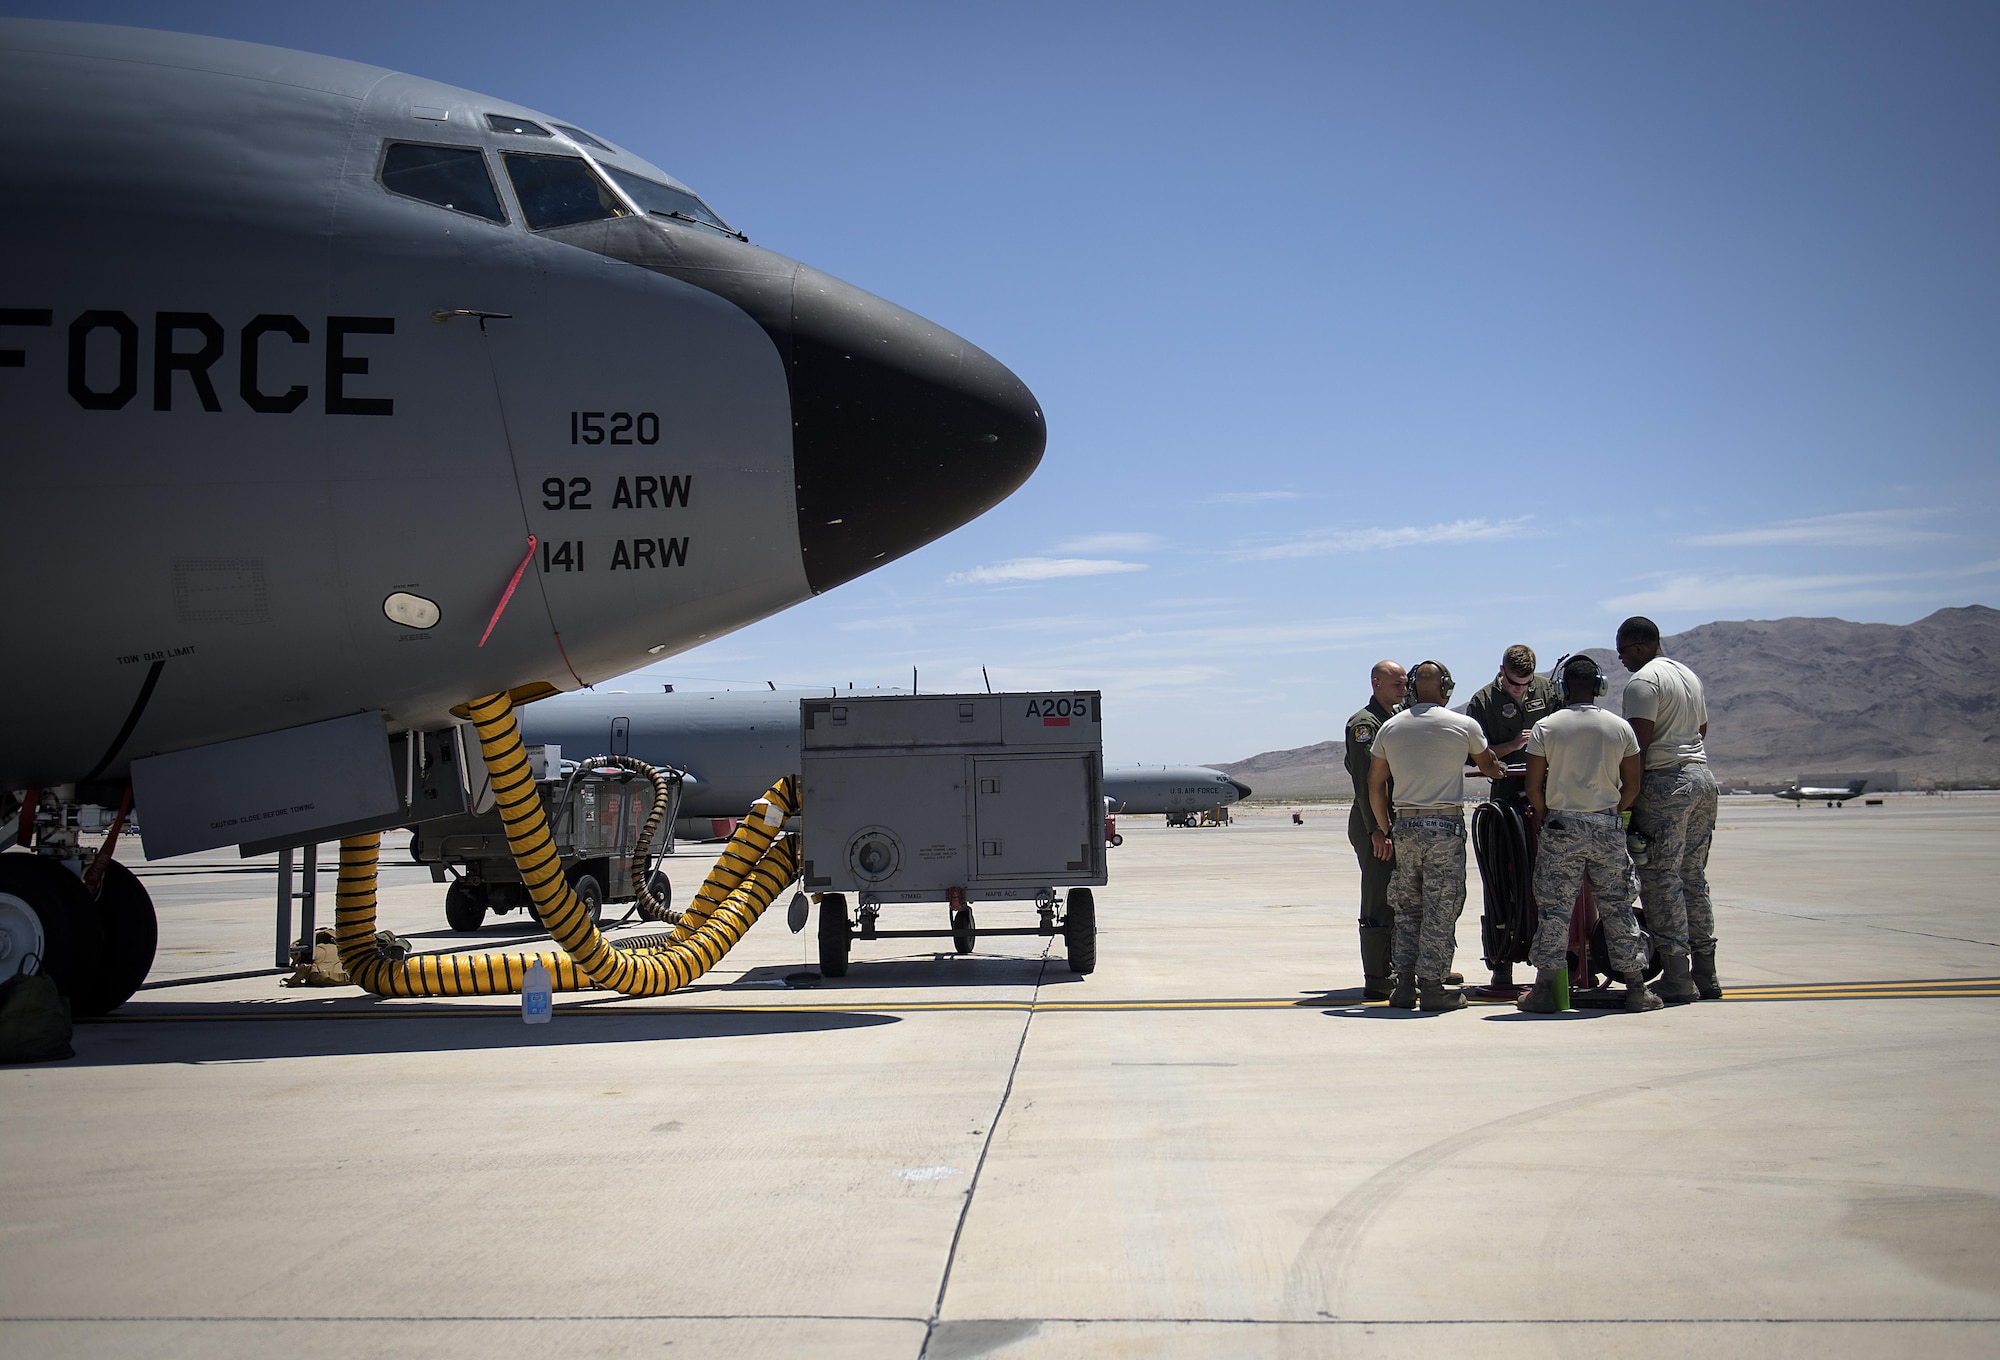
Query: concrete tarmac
1209, 1147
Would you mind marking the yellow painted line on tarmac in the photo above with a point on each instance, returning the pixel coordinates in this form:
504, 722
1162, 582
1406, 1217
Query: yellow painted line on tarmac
1925, 989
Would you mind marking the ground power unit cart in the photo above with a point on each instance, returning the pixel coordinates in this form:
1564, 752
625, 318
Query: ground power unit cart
962, 799
595, 809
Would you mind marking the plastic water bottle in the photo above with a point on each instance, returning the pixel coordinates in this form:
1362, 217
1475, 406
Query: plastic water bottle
536, 989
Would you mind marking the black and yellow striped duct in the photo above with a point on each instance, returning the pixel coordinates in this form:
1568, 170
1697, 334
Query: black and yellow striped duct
756, 865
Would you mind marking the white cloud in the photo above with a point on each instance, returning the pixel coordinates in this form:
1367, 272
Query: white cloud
1169, 655
1852, 529
1043, 569
1326, 542
1111, 543
898, 623
1256, 497
1836, 593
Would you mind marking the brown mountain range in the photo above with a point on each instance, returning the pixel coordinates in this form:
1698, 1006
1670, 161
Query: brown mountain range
1786, 697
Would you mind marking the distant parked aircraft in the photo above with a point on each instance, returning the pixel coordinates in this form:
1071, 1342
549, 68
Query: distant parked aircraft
1171, 789
1806, 794
733, 744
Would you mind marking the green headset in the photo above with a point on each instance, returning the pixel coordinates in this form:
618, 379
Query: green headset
1557, 674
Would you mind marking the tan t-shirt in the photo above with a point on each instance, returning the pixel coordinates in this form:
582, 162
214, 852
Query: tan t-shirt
1584, 745
1669, 694
1426, 747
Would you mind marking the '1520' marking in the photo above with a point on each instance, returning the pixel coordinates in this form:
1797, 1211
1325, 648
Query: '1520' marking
588, 427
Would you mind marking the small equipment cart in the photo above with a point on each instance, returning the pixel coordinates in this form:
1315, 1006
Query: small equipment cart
956, 798
596, 809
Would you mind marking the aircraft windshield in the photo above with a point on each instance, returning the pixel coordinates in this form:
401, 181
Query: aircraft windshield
450, 176
558, 191
663, 200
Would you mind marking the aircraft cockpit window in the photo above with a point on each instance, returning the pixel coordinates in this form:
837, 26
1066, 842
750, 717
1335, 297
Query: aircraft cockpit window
663, 200
452, 177
559, 191
520, 127
576, 134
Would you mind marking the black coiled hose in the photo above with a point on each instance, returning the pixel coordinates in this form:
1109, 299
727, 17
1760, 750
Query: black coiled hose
1507, 870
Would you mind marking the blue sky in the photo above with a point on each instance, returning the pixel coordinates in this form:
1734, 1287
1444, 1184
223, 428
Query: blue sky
1362, 330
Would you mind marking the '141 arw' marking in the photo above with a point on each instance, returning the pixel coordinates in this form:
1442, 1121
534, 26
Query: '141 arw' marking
627, 554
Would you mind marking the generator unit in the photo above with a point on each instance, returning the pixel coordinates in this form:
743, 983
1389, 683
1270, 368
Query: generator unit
594, 813
958, 798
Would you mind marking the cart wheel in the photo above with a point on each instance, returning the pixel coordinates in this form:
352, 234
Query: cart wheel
1117, 839
464, 907
1080, 930
963, 933
591, 895
835, 935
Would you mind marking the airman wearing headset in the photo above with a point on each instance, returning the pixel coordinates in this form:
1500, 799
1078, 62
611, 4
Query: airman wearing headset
1423, 749
1583, 775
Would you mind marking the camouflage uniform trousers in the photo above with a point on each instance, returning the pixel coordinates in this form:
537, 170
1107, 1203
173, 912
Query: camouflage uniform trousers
1576, 846
1676, 811
1427, 892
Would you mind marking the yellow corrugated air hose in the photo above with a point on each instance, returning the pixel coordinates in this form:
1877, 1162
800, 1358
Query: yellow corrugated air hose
762, 863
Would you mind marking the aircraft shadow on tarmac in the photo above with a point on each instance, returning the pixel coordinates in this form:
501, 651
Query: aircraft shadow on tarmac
224, 1032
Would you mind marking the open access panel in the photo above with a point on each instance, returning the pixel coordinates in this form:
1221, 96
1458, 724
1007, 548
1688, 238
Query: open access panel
958, 798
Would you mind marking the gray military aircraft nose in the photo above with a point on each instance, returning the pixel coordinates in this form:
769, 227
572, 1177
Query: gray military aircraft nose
903, 430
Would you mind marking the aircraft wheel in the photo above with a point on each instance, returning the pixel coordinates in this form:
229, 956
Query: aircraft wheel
131, 937
1080, 930
836, 934
40, 897
591, 895
464, 906
963, 933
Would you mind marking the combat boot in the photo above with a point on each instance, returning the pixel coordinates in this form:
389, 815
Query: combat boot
1676, 983
1637, 998
1704, 975
1376, 988
1541, 998
1404, 998
1438, 997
